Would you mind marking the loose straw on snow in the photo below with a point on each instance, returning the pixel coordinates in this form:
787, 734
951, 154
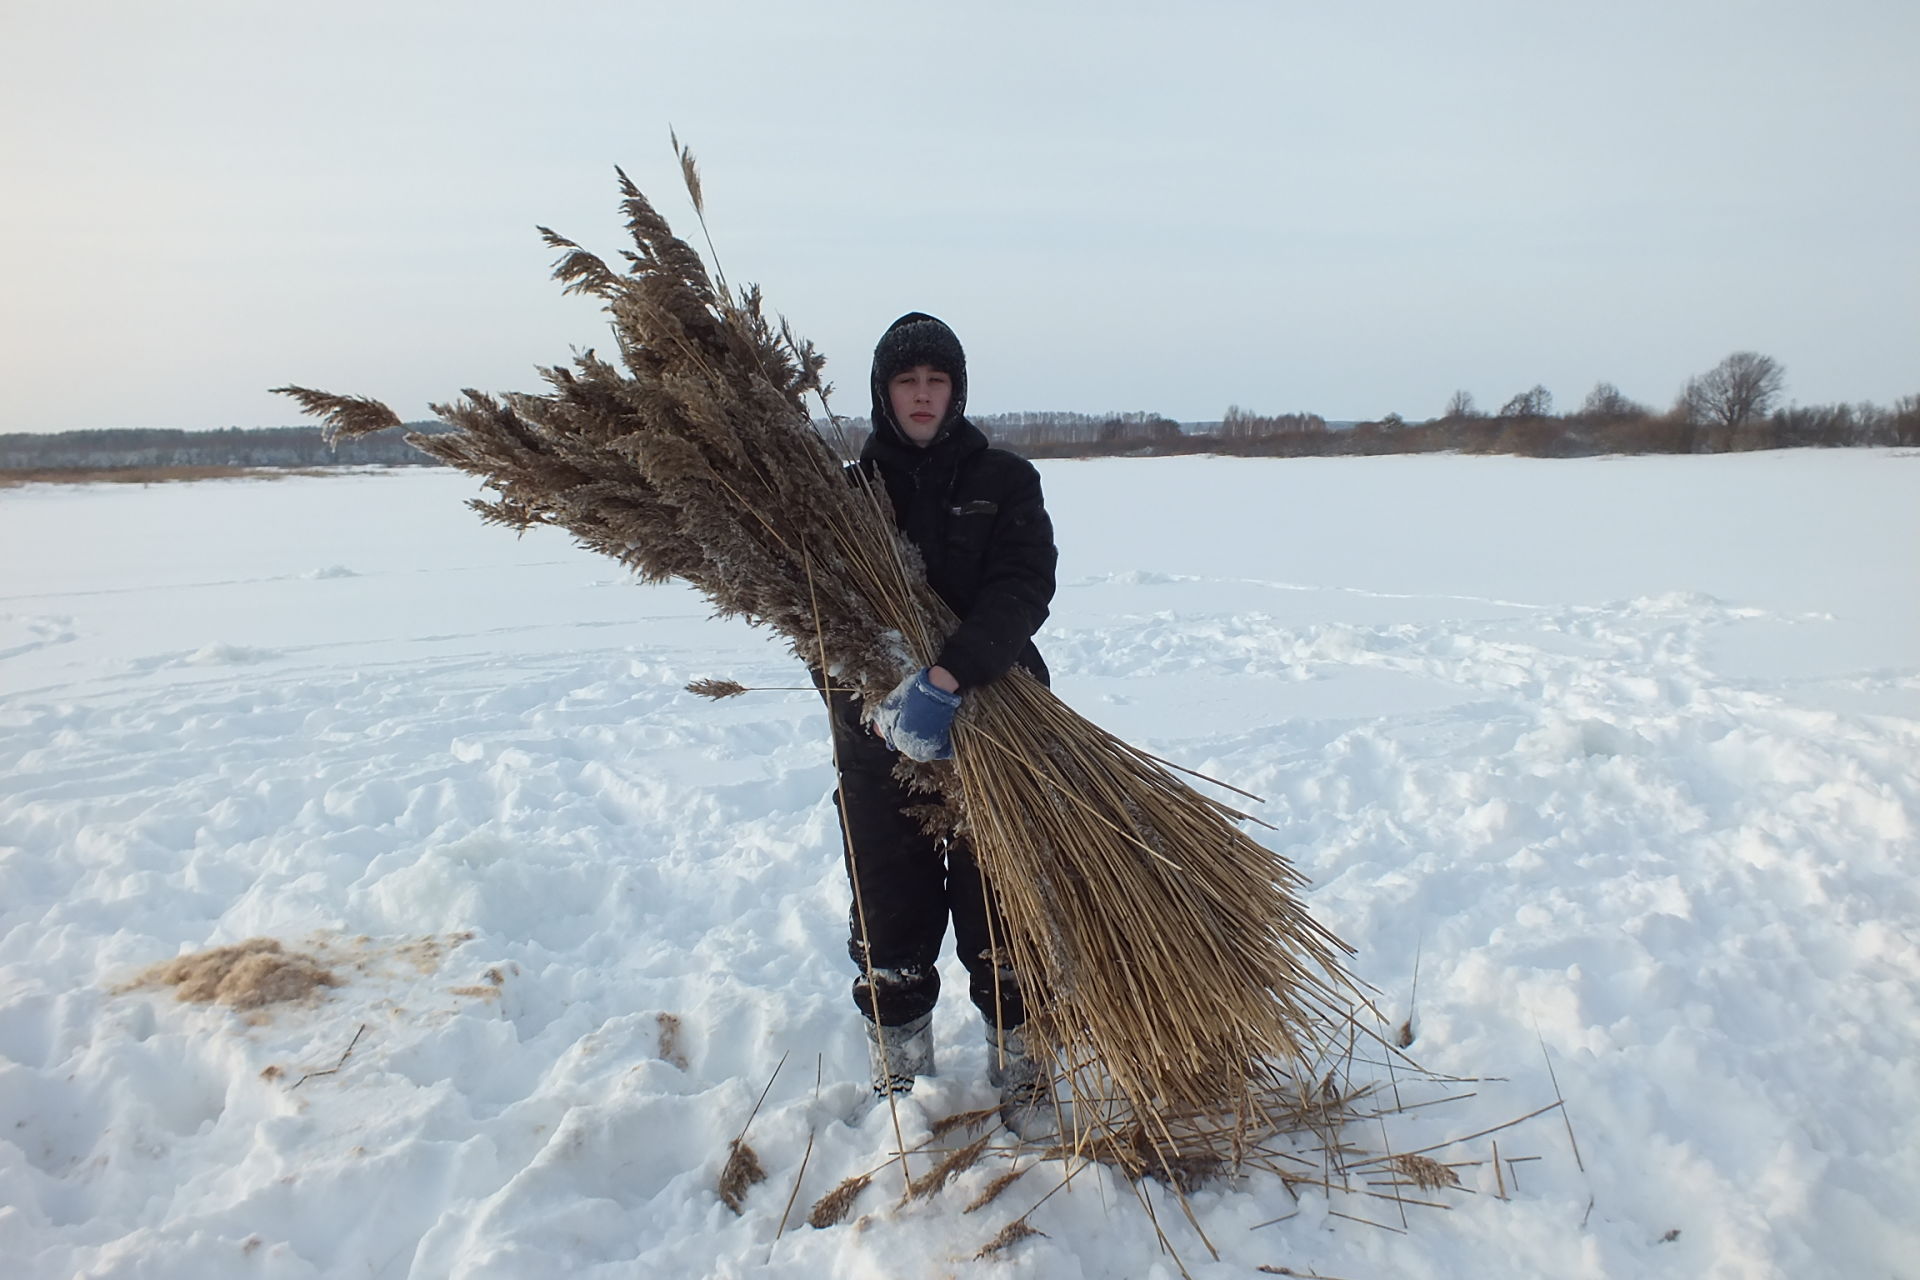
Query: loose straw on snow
1156, 940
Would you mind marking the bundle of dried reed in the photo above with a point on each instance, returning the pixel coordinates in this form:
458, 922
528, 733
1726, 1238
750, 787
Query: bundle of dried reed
1159, 941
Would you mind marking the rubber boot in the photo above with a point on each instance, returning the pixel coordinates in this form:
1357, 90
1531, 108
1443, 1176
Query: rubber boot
898, 1054
1026, 1092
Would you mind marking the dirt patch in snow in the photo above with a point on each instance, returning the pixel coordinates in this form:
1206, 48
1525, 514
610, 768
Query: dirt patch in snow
248, 975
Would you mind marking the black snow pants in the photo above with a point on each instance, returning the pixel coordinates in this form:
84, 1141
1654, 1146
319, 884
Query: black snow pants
907, 884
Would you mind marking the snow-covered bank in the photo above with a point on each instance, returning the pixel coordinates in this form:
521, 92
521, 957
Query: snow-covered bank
1621, 749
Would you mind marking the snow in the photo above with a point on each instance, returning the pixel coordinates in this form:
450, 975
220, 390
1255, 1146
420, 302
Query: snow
1619, 752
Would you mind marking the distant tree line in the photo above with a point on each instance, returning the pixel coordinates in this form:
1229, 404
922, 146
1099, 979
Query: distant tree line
1731, 407
1028, 432
1244, 424
1044, 434
129, 447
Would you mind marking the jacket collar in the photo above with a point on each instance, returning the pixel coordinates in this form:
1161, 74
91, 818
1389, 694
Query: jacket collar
957, 440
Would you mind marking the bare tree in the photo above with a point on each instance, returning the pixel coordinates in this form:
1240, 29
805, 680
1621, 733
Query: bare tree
1607, 401
1734, 392
1906, 420
1245, 424
1460, 406
1536, 402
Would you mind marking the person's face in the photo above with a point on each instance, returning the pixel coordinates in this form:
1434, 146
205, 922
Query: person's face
920, 398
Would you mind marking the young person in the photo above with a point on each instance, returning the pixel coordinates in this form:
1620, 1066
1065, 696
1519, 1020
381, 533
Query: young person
977, 517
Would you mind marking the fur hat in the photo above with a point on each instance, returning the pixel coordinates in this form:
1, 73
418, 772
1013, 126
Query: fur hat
916, 339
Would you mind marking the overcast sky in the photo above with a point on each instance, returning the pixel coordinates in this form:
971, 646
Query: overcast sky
1348, 209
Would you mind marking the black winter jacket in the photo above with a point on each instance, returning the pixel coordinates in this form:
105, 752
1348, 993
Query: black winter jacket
976, 514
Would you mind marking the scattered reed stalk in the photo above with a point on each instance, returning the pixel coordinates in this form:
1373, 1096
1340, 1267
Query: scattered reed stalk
1424, 1172
994, 1189
832, 1208
819, 1070
339, 1063
1403, 1038
964, 1119
956, 1161
786, 1211
1011, 1234
743, 1168
717, 689
1293, 1111
1561, 1101
1008, 1236
1153, 935
853, 858
1481, 1133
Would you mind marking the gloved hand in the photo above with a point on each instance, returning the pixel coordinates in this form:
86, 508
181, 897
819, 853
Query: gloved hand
916, 719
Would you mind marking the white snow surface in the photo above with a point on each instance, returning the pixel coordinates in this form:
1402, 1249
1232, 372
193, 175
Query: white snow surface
1622, 752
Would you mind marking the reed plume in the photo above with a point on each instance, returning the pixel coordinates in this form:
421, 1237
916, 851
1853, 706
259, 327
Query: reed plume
1156, 939
994, 1188
832, 1208
956, 1161
1011, 1234
742, 1170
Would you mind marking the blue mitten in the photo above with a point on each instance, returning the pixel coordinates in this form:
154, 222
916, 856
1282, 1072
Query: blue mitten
916, 719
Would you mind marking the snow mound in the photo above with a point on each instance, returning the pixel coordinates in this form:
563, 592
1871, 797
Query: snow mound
227, 655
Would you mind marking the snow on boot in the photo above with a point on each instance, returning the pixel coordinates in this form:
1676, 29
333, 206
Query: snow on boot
1026, 1092
899, 1054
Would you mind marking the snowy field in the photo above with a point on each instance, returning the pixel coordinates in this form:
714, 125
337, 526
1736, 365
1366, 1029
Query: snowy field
1625, 751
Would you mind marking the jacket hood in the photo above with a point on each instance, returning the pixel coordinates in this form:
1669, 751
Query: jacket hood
917, 338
